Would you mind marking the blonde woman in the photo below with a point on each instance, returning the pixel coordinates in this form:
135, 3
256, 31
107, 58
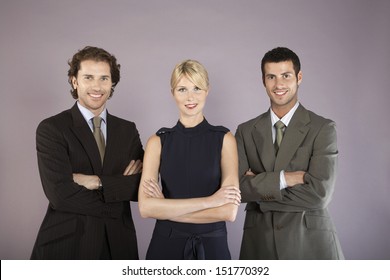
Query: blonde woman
197, 165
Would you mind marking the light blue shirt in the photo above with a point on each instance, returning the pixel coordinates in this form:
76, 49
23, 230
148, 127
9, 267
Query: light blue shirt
88, 116
286, 120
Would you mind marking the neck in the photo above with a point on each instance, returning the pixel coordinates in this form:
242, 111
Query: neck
281, 111
191, 121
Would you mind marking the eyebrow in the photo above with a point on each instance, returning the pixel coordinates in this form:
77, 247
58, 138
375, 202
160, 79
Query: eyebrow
281, 74
90, 75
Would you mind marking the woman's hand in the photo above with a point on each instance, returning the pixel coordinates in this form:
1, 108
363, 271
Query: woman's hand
152, 189
226, 194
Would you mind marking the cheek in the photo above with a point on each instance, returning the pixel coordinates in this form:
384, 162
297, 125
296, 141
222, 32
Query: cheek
269, 86
268, 89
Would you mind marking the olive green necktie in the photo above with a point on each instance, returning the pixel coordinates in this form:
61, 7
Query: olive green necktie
279, 135
98, 134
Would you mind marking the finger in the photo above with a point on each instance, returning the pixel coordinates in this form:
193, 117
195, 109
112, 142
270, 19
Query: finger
152, 192
235, 198
133, 167
148, 190
127, 170
151, 184
138, 168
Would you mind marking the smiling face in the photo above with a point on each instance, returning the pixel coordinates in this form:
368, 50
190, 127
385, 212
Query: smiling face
281, 83
93, 84
190, 100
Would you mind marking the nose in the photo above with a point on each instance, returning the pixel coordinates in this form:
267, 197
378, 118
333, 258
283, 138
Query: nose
279, 82
190, 95
96, 85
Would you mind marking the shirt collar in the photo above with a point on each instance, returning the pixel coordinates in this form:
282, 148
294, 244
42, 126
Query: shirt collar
286, 118
88, 115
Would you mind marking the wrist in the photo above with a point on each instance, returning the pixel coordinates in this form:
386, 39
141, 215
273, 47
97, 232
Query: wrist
100, 185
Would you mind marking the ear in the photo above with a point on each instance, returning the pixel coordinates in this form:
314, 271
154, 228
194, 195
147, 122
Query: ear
207, 91
74, 82
299, 77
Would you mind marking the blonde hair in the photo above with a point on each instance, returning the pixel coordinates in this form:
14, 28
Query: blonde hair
194, 71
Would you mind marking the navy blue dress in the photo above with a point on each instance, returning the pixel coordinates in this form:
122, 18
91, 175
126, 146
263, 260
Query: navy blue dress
190, 167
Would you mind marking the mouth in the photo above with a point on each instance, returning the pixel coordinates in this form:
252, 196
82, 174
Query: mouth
95, 95
190, 106
280, 92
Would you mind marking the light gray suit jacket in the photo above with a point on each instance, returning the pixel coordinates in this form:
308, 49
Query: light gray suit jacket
292, 223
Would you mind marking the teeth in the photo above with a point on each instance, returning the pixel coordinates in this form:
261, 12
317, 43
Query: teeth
280, 92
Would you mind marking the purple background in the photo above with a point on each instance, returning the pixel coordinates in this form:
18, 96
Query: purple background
344, 50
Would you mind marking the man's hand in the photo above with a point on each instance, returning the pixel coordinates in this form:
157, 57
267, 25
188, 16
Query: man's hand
294, 178
249, 173
134, 167
90, 182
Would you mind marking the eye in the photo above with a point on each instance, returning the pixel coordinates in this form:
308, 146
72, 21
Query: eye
196, 89
286, 76
182, 89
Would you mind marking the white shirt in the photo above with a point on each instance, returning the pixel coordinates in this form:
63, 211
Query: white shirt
88, 116
286, 120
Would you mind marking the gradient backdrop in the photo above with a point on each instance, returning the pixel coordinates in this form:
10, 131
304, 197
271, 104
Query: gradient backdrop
345, 55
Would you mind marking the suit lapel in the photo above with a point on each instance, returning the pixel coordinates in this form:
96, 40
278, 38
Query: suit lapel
262, 137
85, 136
293, 137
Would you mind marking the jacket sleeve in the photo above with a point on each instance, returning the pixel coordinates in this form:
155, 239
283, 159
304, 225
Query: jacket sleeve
125, 188
255, 188
57, 177
319, 180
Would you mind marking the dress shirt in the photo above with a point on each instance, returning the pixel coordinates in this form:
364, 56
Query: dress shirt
286, 120
88, 115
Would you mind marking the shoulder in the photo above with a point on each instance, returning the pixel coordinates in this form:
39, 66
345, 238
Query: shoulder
215, 128
58, 121
120, 121
319, 121
164, 130
218, 128
252, 122
153, 143
323, 127
229, 140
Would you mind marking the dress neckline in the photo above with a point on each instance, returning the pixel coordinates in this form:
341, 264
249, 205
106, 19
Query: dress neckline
199, 128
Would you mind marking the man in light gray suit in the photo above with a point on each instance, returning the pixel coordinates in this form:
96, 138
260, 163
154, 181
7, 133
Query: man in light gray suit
288, 164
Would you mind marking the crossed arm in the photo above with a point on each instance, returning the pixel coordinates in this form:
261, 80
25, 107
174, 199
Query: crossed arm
307, 189
92, 182
220, 206
292, 178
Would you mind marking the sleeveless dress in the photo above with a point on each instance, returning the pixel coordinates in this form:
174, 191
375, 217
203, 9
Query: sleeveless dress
190, 167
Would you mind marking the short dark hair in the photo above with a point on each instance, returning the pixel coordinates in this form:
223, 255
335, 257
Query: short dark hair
96, 54
281, 54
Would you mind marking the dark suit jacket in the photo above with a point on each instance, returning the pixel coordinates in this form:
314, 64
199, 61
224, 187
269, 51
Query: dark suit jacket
292, 223
78, 220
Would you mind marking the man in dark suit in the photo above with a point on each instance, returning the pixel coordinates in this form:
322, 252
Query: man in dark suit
288, 164
89, 171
